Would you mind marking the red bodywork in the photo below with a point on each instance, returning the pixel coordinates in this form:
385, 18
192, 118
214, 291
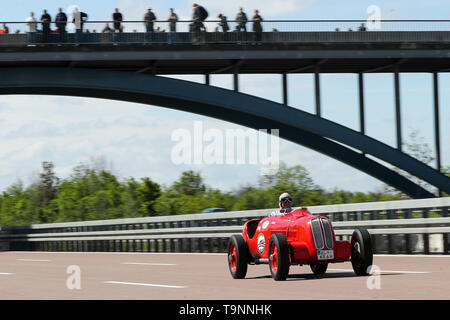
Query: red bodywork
296, 227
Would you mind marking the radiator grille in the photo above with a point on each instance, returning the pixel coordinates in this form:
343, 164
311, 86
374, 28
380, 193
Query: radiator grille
328, 233
317, 233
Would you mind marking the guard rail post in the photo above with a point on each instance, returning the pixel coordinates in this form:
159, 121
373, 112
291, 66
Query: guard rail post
445, 238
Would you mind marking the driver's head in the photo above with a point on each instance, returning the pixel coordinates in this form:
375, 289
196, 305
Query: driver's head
285, 200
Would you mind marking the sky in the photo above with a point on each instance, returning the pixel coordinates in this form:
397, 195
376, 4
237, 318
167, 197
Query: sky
134, 140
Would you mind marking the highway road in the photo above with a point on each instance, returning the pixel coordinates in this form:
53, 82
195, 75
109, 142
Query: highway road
197, 276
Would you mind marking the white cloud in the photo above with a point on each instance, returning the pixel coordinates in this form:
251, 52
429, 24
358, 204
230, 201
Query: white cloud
135, 9
269, 9
136, 139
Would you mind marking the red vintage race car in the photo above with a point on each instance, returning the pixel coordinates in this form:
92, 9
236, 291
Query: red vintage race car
296, 238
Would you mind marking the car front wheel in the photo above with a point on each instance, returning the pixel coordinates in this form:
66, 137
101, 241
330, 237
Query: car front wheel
278, 257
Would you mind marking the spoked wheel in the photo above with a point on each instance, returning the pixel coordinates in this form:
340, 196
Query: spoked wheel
238, 256
278, 257
319, 268
361, 251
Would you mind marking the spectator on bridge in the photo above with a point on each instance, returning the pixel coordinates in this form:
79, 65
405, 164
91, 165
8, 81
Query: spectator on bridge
223, 23
257, 26
5, 29
61, 23
46, 19
107, 29
149, 20
199, 15
173, 19
117, 18
31, 28
362, 27
79, 18
241, 19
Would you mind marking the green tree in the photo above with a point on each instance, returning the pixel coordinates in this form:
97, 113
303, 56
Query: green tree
190, 183
147, 192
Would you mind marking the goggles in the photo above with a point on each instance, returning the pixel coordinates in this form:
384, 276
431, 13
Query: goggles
286, 200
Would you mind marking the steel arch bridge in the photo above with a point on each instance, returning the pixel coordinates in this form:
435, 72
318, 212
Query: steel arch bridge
300, 127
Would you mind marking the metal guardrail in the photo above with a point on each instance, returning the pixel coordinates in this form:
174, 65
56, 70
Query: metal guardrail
273, 31
406, 226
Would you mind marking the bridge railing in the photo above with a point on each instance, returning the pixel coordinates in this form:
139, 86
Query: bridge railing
407, 226
134, 32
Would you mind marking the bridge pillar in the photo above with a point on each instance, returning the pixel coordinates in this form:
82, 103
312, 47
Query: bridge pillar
236, 79
317, 90
397, 108
285, 89
437, 138
362, 126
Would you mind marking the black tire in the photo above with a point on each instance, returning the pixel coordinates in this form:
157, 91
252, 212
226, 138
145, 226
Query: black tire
319, 268
238, 256
361, 251
278, 260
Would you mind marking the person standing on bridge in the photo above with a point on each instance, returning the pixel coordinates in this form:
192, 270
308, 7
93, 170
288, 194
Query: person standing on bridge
257, 26
173, 19
223, 23
61, 23
149, 20
79, 18
117, 18
46, 19
31, 28
5, 29
241, 20
199, 15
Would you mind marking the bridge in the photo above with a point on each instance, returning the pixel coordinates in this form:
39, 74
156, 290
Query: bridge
127, 66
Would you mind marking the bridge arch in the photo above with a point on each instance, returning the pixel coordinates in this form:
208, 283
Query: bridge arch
295, 125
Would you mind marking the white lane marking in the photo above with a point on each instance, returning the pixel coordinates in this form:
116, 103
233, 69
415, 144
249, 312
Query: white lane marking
149, 264
414, 255
145, 284
386, 271
137, 253
34, 260
6, 273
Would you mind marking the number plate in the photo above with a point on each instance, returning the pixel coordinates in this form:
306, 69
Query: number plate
325, 254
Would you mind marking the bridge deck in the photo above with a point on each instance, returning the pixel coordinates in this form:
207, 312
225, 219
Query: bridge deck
291, 52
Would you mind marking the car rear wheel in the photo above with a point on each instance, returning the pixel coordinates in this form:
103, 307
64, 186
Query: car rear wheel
278, 257
238, 256
361, 251
319, 268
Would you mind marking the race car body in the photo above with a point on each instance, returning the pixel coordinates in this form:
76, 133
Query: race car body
296, 238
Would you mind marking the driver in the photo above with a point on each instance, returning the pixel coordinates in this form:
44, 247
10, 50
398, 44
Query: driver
285, 203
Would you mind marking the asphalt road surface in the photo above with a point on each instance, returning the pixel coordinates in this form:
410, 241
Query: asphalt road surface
196, 276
